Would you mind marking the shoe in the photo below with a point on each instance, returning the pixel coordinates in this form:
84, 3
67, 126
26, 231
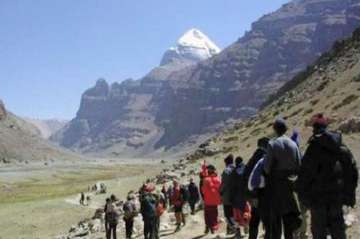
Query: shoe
238, 234
178, 228
230, 230
207, 230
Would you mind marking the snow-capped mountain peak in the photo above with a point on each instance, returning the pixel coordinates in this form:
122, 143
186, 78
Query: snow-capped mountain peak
193, 46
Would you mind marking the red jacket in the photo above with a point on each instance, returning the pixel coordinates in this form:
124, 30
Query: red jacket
177, 197
211, 190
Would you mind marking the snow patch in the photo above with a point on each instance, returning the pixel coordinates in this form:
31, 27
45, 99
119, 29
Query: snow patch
193, 46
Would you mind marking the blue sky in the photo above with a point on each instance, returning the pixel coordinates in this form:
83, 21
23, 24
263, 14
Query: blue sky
53, 50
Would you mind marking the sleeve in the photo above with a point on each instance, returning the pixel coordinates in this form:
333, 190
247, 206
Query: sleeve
298, 156
223, 183
197, 193
268, 160
251, 164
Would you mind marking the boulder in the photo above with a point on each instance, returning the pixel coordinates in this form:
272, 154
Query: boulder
166, 177
98, 213
95, 226
351, 125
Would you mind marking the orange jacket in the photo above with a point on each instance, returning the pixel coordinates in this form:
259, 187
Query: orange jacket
211, 190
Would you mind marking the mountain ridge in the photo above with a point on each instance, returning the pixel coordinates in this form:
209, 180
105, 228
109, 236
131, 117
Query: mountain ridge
21, 143
168, 108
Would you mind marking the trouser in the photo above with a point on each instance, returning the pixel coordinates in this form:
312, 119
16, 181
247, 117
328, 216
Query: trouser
254, 223
192, 205
157, 228
229, 215
328, 219
179, 215
129, 225
211, 218
149, 228
106, 227
302, 232
112, 231
275, 224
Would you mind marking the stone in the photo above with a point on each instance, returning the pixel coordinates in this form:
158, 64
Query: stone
95, 226
351, 125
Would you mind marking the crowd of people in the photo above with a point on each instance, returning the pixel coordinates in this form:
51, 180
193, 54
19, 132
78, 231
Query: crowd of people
277, 187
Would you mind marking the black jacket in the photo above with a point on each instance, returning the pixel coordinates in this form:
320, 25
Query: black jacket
318, 183
238, 187
194, 195
255, 158
225, 188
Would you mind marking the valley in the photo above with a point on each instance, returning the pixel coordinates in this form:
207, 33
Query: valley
42, 202
199, 104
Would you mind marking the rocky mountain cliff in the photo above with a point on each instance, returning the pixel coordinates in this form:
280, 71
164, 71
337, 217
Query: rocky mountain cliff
176, 102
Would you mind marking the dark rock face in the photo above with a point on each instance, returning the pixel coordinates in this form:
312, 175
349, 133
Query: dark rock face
235, 82
177, 101
2, 110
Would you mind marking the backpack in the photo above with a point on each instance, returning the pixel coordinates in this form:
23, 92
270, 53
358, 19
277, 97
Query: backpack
347, 169
161, 205
111, 214
148, 205
129, 210
160, 209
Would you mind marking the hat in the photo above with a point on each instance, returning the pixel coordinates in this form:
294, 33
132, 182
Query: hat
149, 188
319, 120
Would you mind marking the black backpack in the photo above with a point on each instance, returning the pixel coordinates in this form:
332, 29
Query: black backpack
148, 205
347, 168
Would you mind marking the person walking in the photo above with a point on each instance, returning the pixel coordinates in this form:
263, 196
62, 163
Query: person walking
161, 205
212, 199
148, 202
255, 197
165, 192
281, 166
327, 181
225, 191
178, 201
238, 200
106, 221
82, 198
112, 217
130, 212
194, 195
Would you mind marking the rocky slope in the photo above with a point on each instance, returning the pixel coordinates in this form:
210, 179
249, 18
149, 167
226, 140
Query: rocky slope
20, 143
47, 127
168, 107
330, 86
